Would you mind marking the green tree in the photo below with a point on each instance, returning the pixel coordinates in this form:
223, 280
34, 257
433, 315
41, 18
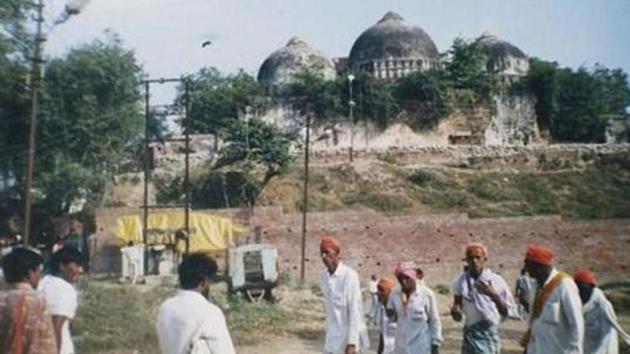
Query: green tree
466, 69
542, 81
616, 89
375, 101
573, 104
90, 111
257, 143
310, 93
424, 96
216, 100
581, 103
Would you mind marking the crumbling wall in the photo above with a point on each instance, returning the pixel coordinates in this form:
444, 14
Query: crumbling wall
514, 121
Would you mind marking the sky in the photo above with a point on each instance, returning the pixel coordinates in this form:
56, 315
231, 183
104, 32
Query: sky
166, 35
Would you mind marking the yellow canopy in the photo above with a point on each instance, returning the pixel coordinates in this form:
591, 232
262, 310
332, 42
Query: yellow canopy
208, 232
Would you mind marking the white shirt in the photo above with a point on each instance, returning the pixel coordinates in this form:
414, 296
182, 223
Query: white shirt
188, 316
344, 308
133, 256
419, 325
600, 326
560, 327
478, 307
61, 300
387, 328
373, 287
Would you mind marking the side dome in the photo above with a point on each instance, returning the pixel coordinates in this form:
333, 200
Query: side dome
392, 38
502, 57
280, 67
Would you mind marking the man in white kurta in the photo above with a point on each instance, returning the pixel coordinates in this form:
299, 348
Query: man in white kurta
484, 299
419, 330
556, 322
345, 329
601, 329
188, 322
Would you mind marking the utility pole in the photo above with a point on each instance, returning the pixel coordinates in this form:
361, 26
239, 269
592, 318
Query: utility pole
36, 60
351, 116
145, 165
305, 200
187, 162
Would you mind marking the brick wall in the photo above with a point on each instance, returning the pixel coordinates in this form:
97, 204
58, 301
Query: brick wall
374, 242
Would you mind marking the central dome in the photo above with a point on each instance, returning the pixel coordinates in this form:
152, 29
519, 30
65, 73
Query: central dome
393, 38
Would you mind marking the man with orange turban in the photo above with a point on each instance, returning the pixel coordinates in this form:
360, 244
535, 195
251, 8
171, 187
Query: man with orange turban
387, 328
484, 299
556, 323
601, 328
346, 332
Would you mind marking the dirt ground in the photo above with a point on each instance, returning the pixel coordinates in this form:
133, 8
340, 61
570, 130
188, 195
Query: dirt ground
452, 332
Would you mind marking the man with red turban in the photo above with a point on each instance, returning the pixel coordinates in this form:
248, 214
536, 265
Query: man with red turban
601, 328
556, 324
346, 332
415, 309
484, 299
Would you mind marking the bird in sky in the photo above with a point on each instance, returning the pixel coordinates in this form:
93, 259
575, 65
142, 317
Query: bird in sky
205, 44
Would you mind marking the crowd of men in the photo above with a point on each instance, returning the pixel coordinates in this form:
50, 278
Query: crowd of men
565, 314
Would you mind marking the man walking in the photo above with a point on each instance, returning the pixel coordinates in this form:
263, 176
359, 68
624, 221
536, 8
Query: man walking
25, 325
600, 322
419, 330
387, 328
556, 323
188, 322
345, 329
484, 299
58, 288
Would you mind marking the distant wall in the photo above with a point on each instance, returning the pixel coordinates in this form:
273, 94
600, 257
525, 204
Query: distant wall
535, 157
374, 242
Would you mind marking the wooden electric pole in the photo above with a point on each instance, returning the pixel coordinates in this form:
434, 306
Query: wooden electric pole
36, 62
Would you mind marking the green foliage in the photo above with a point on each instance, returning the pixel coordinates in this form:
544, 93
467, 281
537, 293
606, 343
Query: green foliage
108, 318
311, 94
259, 143
216, 100
421, 177
90, 112
616, 90
247, 319
424, 96
375, 101
378, 201
542, 81
573, 104
230, 189
466, 69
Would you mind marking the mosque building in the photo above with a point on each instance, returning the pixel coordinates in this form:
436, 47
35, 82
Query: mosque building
390, 49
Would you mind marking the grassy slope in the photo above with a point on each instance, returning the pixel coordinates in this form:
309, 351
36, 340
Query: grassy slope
596, 192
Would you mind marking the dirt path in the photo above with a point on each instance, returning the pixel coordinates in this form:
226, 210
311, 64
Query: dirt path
510, 333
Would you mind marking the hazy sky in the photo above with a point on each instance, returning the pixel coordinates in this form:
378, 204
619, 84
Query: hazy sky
167, 34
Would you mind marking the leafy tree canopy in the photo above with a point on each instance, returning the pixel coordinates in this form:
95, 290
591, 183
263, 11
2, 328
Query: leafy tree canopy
216, 99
